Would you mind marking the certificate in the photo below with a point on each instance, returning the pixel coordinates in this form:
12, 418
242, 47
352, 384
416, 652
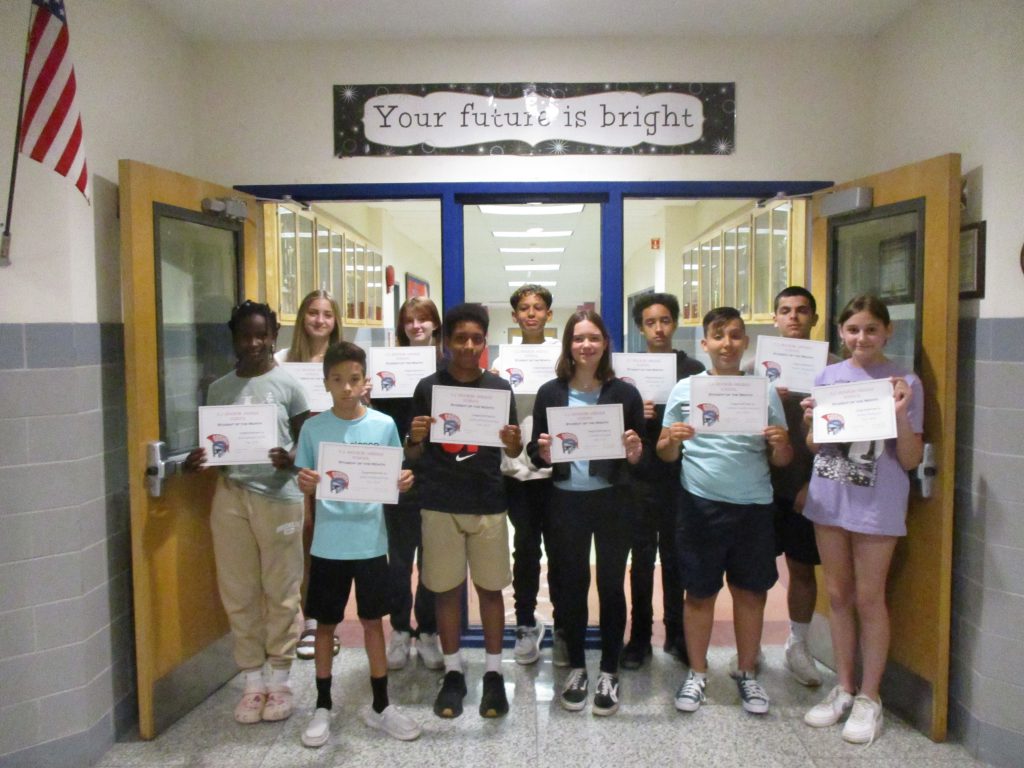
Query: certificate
468, 415
363, 473
790, 363
527, 366
238, 434
856, 412
395, 371
311, 377
729, 404
654, 374
586, 432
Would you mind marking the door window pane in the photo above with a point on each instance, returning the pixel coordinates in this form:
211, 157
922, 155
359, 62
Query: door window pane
323, 257
289, 262
762, 263
337, 268
780, 248
743, 270
307, 264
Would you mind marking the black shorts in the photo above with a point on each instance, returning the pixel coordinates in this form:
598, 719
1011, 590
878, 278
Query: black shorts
330, 582
794, 534
716, 538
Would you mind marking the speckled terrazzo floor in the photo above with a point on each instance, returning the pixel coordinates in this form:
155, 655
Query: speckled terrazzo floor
647, 731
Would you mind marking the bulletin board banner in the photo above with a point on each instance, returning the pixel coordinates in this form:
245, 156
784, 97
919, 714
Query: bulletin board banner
535, 119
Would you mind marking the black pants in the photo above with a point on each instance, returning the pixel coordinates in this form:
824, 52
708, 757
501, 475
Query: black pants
653, 511
577, 517
527, 511
404, 532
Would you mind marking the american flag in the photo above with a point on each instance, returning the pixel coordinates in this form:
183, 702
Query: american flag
51, 127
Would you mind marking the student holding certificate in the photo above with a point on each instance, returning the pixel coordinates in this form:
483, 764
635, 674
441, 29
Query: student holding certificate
857, 501
418, 325
256, 521
589, 503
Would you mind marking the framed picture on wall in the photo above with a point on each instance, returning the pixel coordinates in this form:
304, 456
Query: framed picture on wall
972, 261
896, 268
416, 286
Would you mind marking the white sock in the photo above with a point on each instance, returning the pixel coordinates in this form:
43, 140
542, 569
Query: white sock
279, 677
702, 676
309, 624
492, 662
798, 631
254, 679
453, 662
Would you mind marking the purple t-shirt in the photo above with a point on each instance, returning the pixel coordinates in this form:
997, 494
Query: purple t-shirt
861, 487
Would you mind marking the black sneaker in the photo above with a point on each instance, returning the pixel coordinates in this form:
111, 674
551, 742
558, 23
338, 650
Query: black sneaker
675, 646
606, 700
752, 695
493, 702
449, 699
574, 692
634, 654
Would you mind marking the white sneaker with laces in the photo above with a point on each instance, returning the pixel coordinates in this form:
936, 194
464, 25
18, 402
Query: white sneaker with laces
865, 721
752, 695
831, 710
801, 664
690, 695
318, 730
398, 650
428, 648
528, 640
393, 722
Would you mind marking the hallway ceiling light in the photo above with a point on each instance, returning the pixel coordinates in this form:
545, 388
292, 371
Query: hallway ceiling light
532, 249
532, 209
535, 232
541, 283
532, 267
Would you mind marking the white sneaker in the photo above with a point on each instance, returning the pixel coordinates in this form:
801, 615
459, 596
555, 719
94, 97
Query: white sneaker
318, 730
398, 650
734, 664
831, 710
428, 648
393, 722
559, 650
801, 664
865, 721
528, 639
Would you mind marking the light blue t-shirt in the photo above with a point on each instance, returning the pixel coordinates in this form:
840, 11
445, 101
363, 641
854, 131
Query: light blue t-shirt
729, 468
347, 530
277, 387
580, 478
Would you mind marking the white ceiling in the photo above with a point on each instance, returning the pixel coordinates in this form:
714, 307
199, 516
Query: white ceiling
333, 20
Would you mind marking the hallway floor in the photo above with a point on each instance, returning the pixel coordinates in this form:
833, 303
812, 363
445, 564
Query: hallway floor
647, 731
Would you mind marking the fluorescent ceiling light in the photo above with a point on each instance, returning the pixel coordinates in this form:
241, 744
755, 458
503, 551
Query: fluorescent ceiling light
535, 232
532, 267
532, 249
541, 283
531, 209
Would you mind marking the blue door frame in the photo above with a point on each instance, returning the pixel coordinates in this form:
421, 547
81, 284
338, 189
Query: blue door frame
611, 196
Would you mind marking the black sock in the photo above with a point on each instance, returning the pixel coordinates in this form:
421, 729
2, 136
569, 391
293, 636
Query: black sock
380, 693
323, 692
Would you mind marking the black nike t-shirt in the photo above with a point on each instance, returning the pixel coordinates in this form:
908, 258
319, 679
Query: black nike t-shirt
463, 479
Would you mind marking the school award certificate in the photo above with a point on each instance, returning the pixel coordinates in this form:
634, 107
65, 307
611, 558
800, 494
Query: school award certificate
395, 371
586, 432
468, 415
790, 363
729, 404
527, 366
311, 377
237, 434
861, 411
363, 473
654, 374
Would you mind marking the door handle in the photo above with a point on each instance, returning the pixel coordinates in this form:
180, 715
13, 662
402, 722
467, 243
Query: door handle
927, 470
160, 466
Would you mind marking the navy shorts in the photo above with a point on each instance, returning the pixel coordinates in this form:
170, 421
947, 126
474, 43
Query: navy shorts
330, 582
716, 538
794, 534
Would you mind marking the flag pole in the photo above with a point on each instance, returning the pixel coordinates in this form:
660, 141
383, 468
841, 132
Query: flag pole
5, 243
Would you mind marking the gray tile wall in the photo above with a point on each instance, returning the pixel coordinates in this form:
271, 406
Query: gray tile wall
986, 694
66, 641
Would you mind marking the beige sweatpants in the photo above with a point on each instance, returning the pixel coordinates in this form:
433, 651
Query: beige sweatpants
257, 544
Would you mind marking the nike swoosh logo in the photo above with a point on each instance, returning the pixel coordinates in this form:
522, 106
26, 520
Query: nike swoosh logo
467, 456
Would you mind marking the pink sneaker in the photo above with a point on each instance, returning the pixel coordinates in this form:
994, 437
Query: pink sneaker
250, 708
279, 704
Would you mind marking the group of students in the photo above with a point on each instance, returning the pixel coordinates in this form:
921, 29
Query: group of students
711, 505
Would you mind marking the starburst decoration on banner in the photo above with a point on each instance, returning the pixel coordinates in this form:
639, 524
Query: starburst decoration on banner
557, 148
348, 93
723, 147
